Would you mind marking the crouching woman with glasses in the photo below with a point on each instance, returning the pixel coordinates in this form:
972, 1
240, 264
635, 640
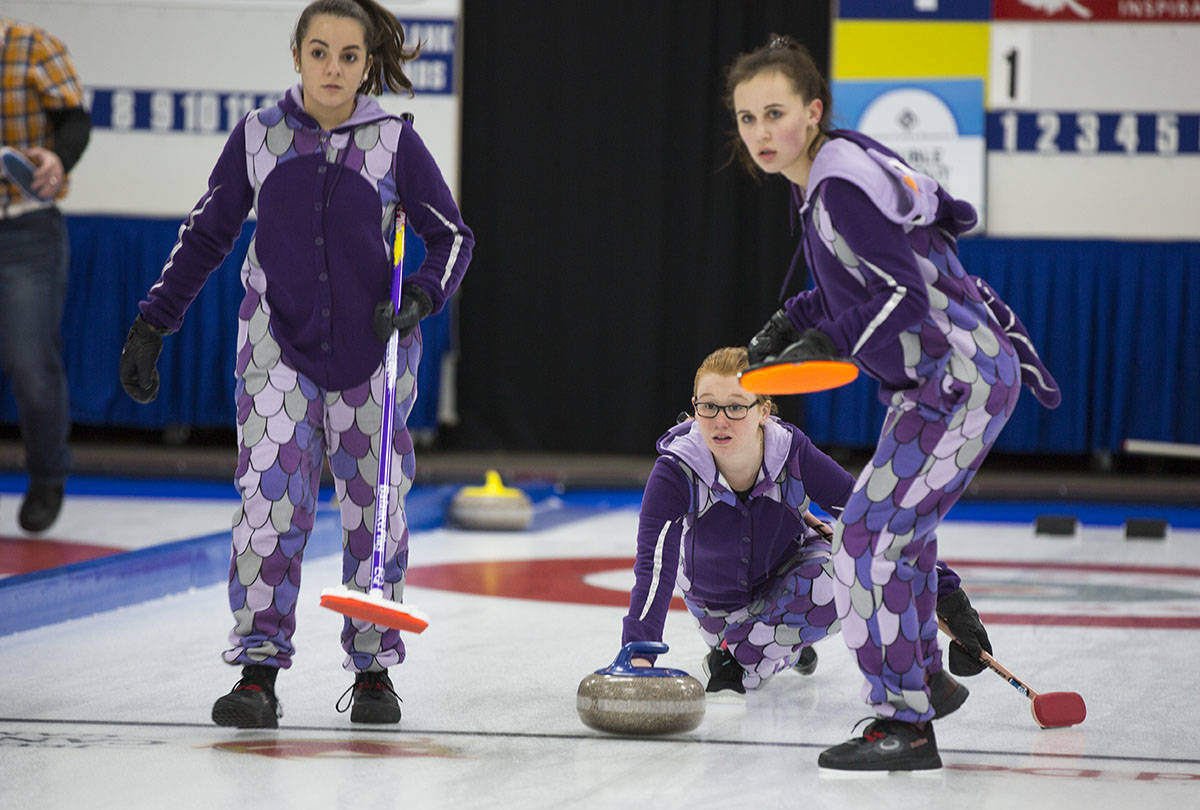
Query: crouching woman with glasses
725, 515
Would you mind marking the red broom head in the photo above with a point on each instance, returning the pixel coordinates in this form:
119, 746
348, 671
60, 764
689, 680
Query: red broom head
1059, 709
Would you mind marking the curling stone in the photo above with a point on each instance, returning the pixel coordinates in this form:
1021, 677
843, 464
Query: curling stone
625, 699
491, 506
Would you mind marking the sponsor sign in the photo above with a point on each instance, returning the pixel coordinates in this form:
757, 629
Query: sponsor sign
1098, 10
935, 125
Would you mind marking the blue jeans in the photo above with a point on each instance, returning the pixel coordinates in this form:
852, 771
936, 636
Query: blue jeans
33, 289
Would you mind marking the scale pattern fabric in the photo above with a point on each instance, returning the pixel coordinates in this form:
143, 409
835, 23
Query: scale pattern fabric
305, 392
963, 378
287, 426
885, 546
767, 635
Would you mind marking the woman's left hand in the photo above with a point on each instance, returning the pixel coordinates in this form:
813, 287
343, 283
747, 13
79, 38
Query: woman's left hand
414, 305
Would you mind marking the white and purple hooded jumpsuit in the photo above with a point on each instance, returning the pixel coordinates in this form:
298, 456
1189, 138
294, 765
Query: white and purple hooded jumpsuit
753, 573
950, 357
309, 365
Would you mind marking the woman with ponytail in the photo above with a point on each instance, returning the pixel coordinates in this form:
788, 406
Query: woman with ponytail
889, 291
325, 170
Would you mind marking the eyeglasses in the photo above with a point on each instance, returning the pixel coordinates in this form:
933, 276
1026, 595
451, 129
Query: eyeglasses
734, 410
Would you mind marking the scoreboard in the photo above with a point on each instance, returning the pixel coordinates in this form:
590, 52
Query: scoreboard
166, 80
1090, 108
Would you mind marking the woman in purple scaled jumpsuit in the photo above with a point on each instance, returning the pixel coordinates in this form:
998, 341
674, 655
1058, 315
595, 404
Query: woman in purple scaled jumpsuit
325, 170
889, 292
725, 515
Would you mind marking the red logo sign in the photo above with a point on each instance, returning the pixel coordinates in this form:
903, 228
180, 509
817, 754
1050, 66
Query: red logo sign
1098, 10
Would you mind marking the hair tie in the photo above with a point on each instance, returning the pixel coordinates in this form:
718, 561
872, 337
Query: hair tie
777, 42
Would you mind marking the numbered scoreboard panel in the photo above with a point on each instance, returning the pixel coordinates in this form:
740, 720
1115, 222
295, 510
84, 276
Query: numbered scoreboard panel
166, 81
1093, 125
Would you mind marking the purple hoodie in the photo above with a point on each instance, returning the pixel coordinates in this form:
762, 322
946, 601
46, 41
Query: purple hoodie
724, 551
729, 548
881, 241
321, 254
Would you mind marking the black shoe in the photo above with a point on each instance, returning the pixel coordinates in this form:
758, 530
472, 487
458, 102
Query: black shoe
724, 674
41, 506
807, 664
252, 702
373, 701
886, 745
945, 693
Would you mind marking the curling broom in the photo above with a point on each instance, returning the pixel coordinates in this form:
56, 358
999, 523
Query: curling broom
372, 606
1050, 709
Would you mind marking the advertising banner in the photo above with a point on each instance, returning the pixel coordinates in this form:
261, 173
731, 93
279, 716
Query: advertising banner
936, 126
1098, 10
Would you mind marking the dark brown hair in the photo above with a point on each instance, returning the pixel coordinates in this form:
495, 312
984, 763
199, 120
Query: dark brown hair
384, 37
789, 58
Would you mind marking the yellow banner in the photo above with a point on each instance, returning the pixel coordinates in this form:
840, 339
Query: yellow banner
871, 49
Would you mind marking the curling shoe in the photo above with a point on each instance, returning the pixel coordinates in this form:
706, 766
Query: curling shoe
41, 506
886, 745
372, 699
724, 675
252, 702
945, 693
807, 663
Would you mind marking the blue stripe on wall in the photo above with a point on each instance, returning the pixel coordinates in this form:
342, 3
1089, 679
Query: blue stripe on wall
915, 9
81, 589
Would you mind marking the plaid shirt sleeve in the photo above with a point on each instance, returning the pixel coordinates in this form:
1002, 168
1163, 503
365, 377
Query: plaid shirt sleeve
38, 75
52, 73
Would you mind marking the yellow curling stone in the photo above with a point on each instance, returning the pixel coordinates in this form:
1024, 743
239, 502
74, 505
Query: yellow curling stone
491, 506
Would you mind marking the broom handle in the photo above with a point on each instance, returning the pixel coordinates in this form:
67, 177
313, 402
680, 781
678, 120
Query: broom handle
384, 480
996, 666
818, 525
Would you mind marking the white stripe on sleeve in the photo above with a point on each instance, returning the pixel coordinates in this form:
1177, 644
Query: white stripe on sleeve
184, 228
898, 293
454, 248
658, 556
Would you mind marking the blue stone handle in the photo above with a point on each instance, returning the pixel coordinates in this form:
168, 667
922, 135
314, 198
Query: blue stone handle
623, 663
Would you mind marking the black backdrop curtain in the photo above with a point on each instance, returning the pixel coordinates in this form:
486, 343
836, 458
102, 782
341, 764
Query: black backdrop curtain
613, 250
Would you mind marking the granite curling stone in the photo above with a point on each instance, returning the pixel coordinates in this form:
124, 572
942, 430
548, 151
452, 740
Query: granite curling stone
624, 699
491, 506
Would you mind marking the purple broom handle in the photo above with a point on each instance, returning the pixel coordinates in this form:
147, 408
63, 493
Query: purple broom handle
383, 483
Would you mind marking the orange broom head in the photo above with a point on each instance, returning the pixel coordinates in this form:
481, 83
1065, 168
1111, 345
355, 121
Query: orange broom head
373, 608
798, 378
1059, 709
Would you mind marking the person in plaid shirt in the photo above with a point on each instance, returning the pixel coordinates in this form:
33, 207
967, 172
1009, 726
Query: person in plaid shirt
42, 116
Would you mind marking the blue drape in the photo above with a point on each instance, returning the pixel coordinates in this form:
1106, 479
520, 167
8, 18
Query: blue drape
114, 261
1116, 322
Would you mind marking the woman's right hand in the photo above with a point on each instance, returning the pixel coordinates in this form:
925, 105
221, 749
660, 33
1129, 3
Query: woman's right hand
640, 662
776, 335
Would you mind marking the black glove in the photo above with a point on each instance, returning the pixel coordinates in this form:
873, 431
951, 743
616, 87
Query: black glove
139, 377
775, 335
972, 639
414, 305
812, 345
